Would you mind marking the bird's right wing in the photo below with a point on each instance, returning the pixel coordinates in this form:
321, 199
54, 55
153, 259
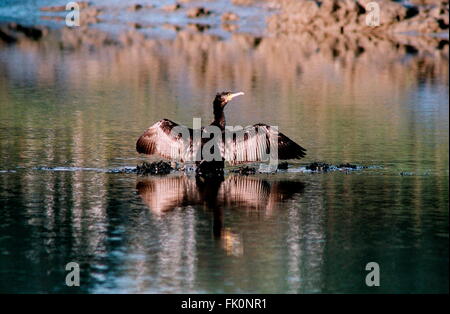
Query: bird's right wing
165, 139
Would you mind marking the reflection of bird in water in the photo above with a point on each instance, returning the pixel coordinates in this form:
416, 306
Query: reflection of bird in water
251, 193
163, 194
252, 146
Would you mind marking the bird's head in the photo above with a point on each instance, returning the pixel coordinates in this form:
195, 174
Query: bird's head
223, 98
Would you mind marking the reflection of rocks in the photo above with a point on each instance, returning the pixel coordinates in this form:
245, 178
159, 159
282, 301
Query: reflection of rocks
135, 25
229, 27
173, 27
375, 59
285, 57
199, 27
342, 16
30, 32
53, 18
13, 32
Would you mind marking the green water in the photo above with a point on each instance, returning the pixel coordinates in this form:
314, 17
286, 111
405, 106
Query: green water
68, 118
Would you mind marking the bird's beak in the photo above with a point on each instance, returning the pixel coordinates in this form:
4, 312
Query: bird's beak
231, 96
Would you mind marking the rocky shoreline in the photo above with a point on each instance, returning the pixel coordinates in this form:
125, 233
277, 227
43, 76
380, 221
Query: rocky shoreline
283, 17
344, 20
346, 16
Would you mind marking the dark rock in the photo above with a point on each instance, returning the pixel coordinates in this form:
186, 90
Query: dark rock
347, 165
29, 31
318, 166
159, 167
246, 170
411, 12
442, 44
210, 169
7, 38
411, 50
199, 27
442, 24
257, 41
283, 165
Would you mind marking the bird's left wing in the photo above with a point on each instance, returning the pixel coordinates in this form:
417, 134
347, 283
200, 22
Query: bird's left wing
254, 143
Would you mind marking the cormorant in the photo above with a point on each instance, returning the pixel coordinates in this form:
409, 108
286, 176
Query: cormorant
251, 147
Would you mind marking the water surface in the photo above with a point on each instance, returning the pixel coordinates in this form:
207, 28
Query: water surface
73, 104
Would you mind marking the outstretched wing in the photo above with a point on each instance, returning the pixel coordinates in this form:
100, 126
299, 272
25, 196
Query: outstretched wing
167, 139
253, 144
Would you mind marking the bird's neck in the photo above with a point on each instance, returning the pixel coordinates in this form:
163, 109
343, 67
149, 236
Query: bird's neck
219, 118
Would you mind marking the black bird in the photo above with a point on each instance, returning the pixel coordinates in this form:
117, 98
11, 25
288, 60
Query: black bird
251, 147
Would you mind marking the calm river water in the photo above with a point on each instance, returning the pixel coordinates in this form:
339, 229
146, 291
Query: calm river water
70, 114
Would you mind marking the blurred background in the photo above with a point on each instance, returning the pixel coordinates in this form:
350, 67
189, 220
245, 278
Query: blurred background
73, 101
